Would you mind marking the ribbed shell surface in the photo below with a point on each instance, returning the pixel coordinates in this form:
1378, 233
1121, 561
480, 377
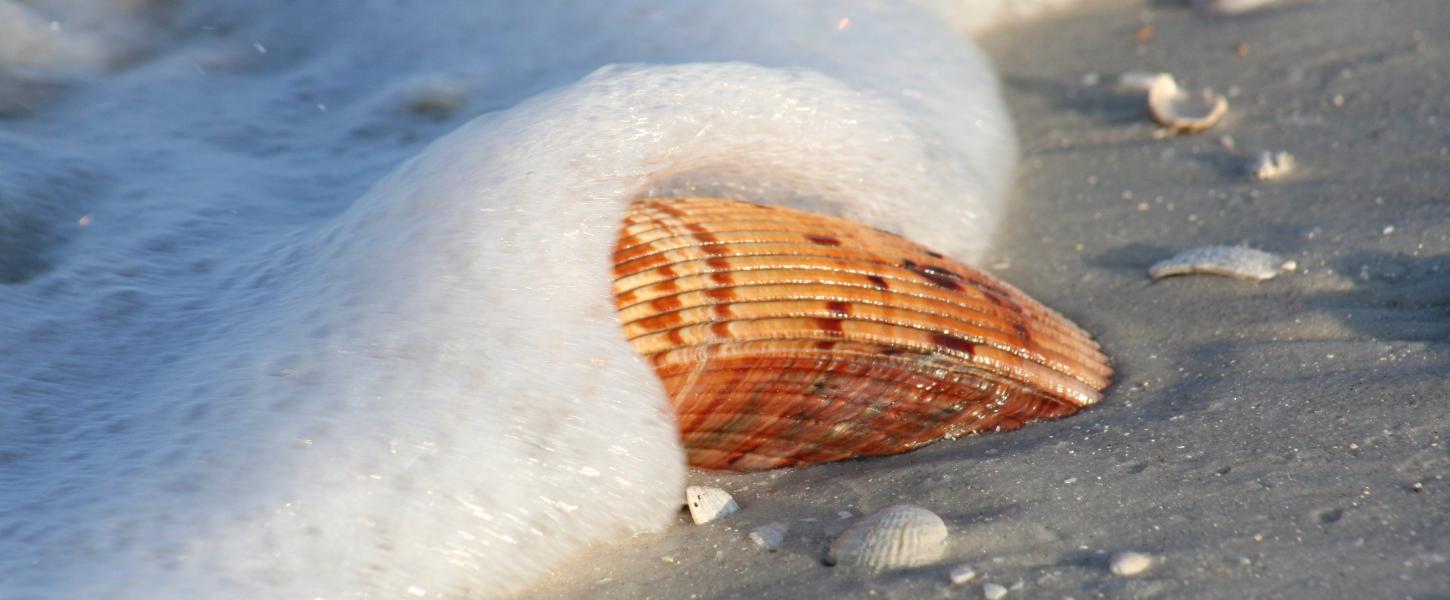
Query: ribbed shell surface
785, 337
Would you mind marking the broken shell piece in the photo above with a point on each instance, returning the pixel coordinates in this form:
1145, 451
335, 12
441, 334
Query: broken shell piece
709, 503
1231, 7
962, 574
1272, 165
895, 537
1231, 261
1184, 111
769, 536
1129, 563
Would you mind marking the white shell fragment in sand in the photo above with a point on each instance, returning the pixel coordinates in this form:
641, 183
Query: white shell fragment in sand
993, 591
1272, 165
1231, 7
1184, 111
709, 503
1129, 563
769, 536
895, 537
962, 574
1230, 261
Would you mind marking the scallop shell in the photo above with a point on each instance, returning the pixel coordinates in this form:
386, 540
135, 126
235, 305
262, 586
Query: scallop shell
1184, 111
896, 537
787, 338
709, 503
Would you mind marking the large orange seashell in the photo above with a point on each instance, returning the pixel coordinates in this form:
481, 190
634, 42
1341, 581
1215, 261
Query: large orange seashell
786, 338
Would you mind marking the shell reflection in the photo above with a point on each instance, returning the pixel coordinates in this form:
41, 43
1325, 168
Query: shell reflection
786, 338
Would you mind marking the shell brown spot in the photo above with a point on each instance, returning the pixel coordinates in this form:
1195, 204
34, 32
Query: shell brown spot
823, 240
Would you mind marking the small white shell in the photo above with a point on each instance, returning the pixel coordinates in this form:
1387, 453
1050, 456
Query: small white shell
895, 537
1182, 111
709, 503
1232, 7
1129, 563
962, 574
1272, 165
769, 536
992, 591
1231, 261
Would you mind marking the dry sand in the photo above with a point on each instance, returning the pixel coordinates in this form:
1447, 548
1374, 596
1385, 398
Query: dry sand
1278, 439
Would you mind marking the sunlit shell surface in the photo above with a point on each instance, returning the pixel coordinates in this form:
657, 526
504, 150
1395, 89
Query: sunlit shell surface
786, 338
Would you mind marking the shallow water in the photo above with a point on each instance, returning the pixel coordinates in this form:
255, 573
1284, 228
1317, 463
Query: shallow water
313, 300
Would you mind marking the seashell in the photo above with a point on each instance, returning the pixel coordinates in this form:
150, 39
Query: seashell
1232, 7
961, 574
994, 591
786, 338
1272, 165
1183, 111
1129, 563
1230, 261
769, 536
896, 537
709, 503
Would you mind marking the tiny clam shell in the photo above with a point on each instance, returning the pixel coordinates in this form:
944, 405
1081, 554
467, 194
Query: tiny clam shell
1230, 261
1184, 111
896, 537
709, 503
787, 338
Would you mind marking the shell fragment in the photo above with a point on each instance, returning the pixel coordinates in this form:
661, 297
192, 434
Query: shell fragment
1129, 563
1181, 110
1272, 165
769, 536
1230, 261
709, 503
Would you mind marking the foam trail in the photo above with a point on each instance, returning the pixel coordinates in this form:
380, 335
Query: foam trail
232, 369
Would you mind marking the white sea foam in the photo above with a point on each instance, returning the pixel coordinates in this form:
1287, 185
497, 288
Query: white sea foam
265, 337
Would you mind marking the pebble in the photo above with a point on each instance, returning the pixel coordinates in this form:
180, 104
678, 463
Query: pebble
769, 536
962, 574
1129, 563
992, 591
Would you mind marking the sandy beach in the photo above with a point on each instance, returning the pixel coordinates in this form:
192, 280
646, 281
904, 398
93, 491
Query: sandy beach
1264, 440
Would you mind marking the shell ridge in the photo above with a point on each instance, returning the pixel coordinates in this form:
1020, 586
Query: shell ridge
950, 325
702, 334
